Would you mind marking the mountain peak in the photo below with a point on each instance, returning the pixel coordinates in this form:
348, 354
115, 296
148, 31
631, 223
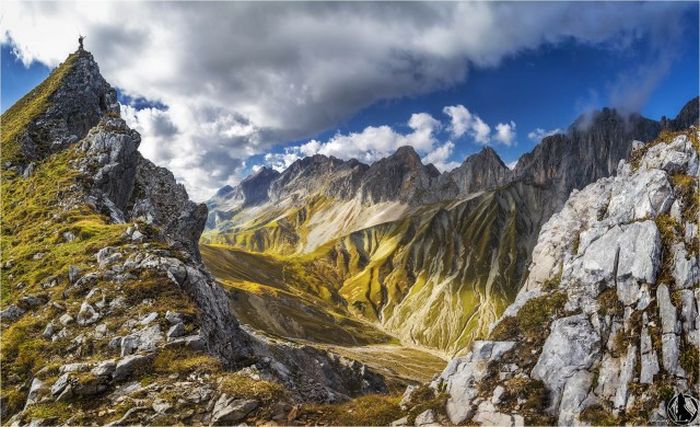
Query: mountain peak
69, 103
406, 151
490, 154
480, 171
224, 191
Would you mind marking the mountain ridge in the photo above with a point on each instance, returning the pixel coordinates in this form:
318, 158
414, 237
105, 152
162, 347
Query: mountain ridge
104, 294
608, 123
382, 246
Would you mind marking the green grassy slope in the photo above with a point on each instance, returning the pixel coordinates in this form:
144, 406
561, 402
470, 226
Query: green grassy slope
435, 278
18, 117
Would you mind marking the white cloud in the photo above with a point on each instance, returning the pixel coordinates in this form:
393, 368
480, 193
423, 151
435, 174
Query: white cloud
369, 145
482, 131
460, 119
505, 133
241, 77
440, 157
512, 164
539, 133
463, 121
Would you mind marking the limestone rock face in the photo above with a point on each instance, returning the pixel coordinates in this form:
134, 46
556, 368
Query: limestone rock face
480, 172
462, 376
78, 104
610, 277
403, 177
159, 199
111, 150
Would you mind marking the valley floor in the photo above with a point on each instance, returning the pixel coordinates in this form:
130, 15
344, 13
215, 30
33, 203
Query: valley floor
267, 295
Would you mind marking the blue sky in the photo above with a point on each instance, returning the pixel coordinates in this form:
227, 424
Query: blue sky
230, 124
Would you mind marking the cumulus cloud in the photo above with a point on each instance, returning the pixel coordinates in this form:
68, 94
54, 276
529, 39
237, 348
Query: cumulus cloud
538, 134
440, 157
241, 77
505, 133
462, 121
367, 146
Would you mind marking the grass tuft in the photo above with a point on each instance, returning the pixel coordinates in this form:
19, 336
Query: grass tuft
16, 119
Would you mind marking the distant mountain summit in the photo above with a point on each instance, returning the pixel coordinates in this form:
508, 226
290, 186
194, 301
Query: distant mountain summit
481, 171
430, 257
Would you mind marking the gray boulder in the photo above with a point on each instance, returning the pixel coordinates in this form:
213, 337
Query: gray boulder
126, 366
572, 345
463, 374
229, 410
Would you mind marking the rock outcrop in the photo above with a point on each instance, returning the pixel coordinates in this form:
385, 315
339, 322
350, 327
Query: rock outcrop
603, 329
76, 105
108, 288
480, 172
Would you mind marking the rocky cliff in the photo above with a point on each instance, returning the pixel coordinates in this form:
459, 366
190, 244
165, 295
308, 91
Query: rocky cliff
605, 329
480, 172
108, 316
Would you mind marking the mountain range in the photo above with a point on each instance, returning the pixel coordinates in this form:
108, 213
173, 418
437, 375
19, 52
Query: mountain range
563, 291
430, 258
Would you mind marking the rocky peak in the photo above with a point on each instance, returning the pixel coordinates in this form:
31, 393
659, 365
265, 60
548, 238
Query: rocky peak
253, 190
223, 191
687, 117
74, 97
591, 149
480, 172
400, 177
608, 316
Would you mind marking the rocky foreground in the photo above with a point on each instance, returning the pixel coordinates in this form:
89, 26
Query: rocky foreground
108, 315
605, 329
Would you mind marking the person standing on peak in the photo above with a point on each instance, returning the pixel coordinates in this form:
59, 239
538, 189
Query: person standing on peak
80, 41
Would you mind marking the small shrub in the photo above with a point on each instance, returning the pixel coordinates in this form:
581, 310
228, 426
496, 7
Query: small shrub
55, 411
685, 189
506, 329
15, 399
534, 317
243, 387
608, 303
690, 360
538, 312
552, 283
668, 228
182, 361
532, 391
434, 401
371, 410
597, 415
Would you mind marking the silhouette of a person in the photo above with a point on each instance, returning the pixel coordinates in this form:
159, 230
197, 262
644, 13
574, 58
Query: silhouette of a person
80, 41
683, 415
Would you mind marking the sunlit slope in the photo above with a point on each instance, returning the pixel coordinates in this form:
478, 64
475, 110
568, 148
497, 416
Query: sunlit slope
436, 277
440, 277
300, 227
287, 298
